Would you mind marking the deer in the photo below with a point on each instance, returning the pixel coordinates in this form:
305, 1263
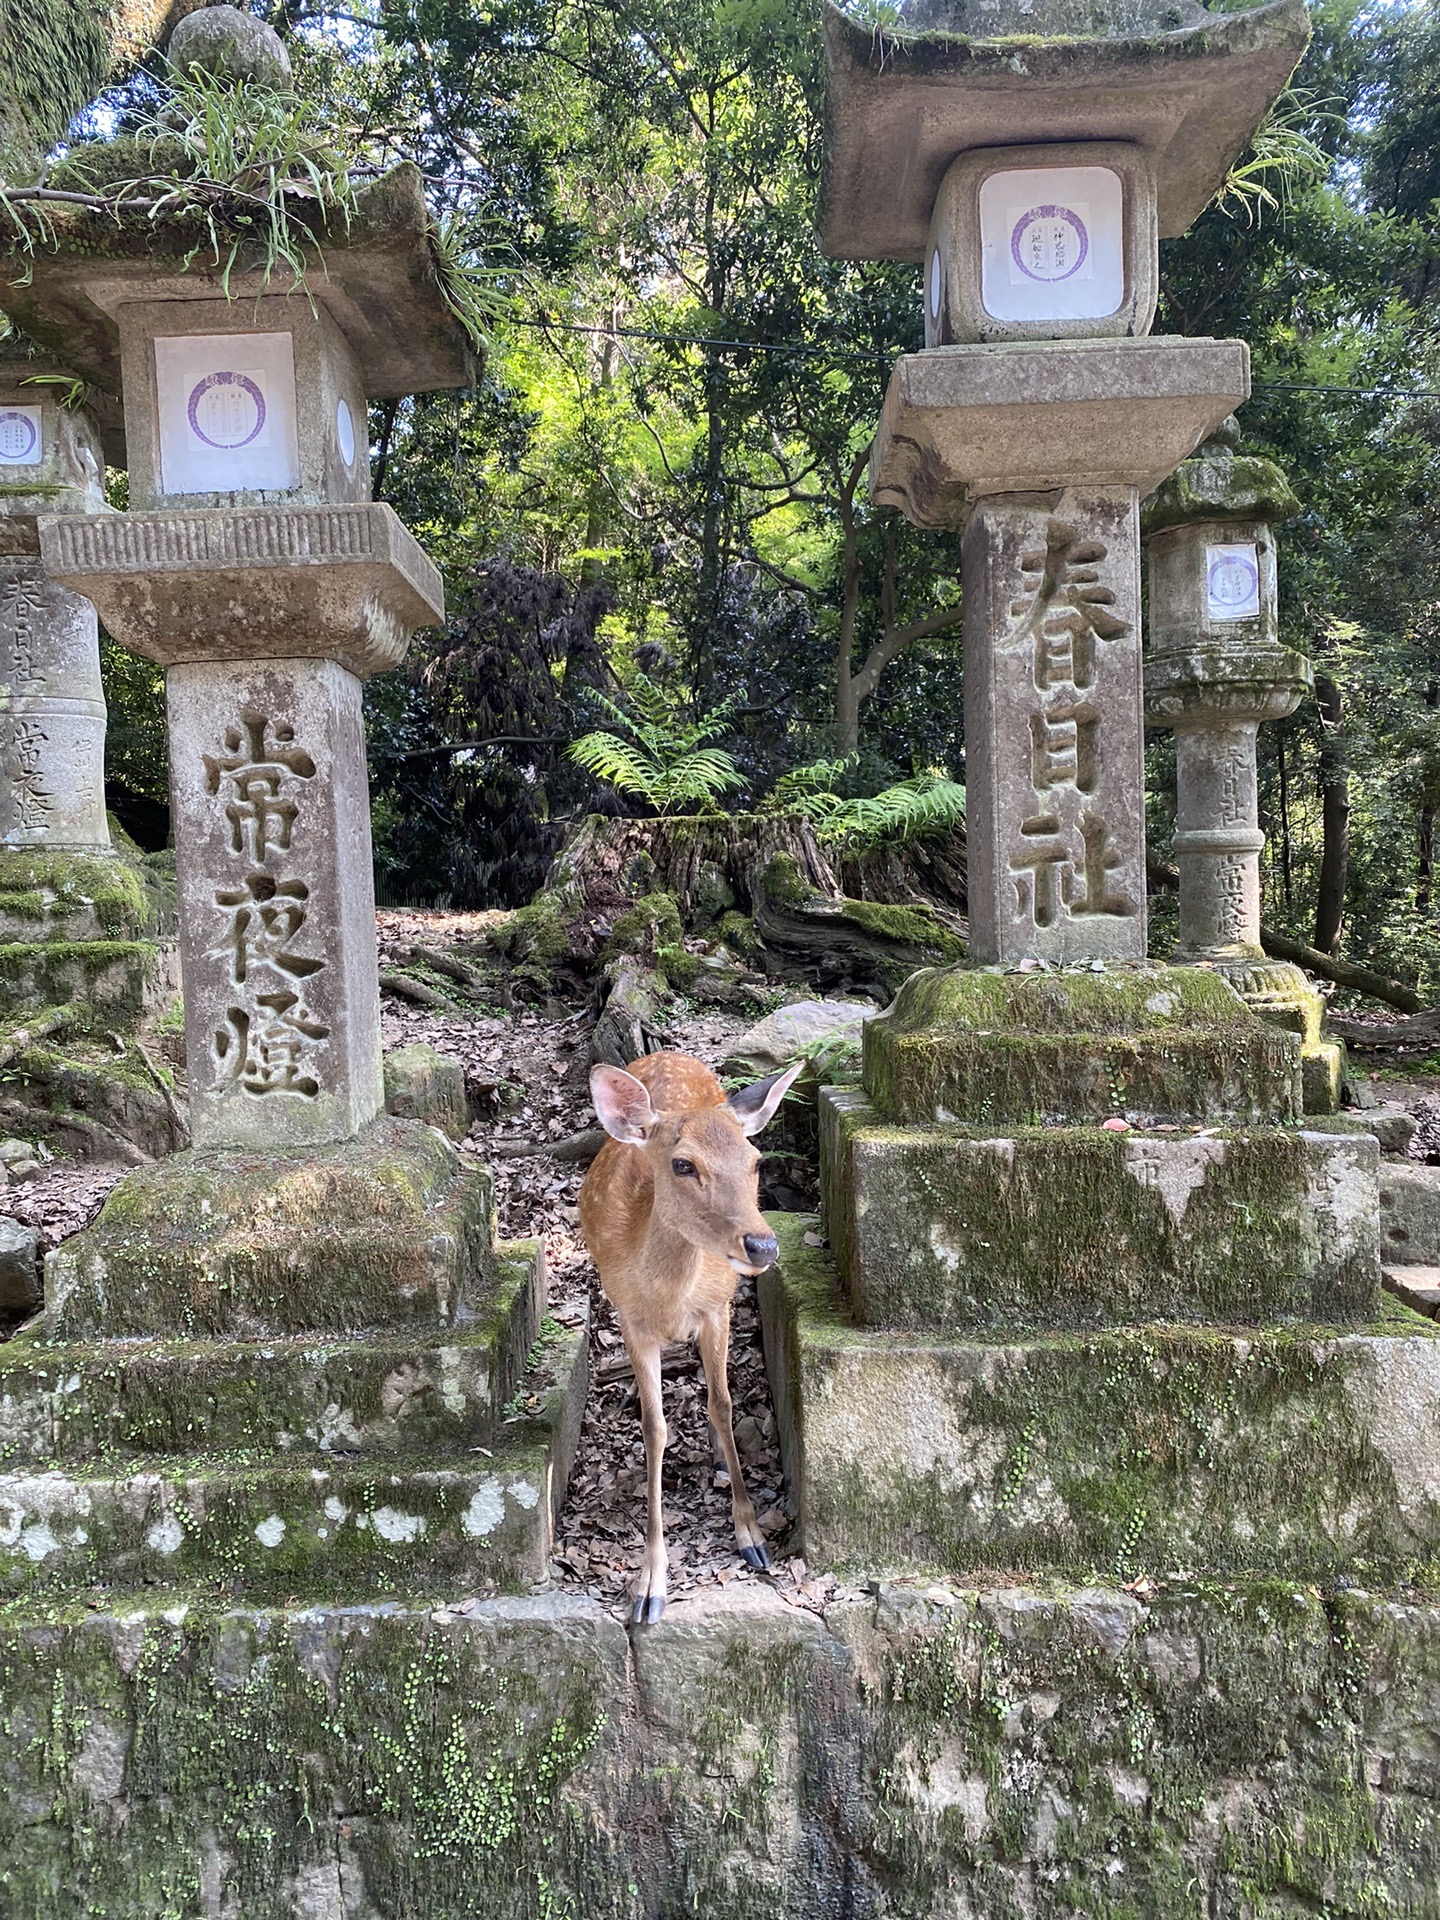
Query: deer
670, 1214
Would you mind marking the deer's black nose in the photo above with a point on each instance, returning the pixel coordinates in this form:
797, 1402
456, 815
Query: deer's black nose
760, 1249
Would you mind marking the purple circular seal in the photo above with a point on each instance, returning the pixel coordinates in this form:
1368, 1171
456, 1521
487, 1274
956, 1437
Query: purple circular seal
18, 437
1049, 236
1233, 579
241, 391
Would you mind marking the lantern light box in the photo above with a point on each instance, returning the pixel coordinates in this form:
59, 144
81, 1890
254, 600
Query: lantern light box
243, 402
1232, 581
21, 443
1042, 242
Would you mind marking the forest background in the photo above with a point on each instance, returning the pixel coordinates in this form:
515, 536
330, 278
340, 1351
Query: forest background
653, 493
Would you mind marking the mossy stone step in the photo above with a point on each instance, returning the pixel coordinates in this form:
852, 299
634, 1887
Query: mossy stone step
379, 1394
1144, 1043
272, 1525
117, 979
965, 1229
1305, 1452
388, 1230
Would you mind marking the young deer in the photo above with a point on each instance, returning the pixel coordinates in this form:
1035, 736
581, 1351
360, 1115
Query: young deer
670, 1212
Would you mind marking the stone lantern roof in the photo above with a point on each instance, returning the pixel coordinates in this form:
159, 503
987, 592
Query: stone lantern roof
375, 277
1218, 483
1186, 85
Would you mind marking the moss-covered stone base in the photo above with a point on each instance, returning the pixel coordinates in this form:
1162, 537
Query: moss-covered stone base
377, 1394
117, 980
1143, 1043
389, 1229
67, 897
1303, 1451
1205, 1752
952, 1227
270, 1524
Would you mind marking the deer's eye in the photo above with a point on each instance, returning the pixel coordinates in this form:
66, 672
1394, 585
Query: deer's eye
685, 1169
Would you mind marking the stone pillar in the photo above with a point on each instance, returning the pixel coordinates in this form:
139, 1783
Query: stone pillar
277, 908
52, 706
1054, 760
267, 620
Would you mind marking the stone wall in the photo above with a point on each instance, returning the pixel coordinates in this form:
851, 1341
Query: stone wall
1261, 1751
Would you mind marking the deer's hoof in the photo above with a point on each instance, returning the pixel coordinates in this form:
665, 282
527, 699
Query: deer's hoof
647, 1609
757, 1557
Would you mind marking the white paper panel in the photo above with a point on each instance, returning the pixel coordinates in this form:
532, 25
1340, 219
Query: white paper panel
21, 444
227, 412
1052, 243
1232, 582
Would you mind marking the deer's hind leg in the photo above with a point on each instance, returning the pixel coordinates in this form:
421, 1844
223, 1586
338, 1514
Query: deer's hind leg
713, 1340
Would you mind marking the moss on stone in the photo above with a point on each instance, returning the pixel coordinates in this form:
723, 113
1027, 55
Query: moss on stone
116, 979
1110, 1454
1170, 1044
38, 886
386, 1230
954, 1227
912, 925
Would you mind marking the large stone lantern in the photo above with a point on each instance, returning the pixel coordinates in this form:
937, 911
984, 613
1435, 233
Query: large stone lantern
1029, 157
256, 569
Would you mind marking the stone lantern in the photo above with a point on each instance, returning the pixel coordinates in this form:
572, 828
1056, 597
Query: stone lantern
288, 1353
255, 568
1029, 158
1214, 672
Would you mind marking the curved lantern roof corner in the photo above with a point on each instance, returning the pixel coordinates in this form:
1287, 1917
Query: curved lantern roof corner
902, 103
376, 278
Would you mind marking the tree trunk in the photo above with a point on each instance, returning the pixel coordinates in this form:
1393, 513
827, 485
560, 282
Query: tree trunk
1335, 816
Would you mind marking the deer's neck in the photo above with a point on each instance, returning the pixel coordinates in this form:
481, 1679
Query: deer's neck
669, 1261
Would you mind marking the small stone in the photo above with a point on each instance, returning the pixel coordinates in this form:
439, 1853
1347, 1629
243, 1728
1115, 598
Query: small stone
231, 46
20, 1289
1393, 1127
748, 1436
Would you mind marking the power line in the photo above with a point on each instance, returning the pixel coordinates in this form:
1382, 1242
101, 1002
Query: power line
806, 350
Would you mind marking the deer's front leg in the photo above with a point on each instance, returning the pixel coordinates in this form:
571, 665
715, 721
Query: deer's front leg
649, 1588
713, 1340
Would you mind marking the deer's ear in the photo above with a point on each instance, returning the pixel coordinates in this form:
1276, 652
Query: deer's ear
754, 1106
622, 1105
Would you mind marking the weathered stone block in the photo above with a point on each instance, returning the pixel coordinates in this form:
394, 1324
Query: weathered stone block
964, 1227
20, 1291
295, 1395
1169, 1044
1300, 1451
1254, 1749
117, 980
279, 1525
1410, 1213
424, 1084
277, 934
391, 1229
1322, 1072
49, 895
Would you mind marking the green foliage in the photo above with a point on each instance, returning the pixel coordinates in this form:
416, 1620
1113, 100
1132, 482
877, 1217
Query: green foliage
1282, 159
666, 760
926, 805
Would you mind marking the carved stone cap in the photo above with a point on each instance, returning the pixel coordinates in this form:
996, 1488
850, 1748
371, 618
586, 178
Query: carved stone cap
1225, 683
902, 103
1031, 416
1216, 485
329, 583
376, 278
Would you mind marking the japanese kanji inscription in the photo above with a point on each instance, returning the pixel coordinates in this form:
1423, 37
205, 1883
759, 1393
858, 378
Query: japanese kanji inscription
1053, 727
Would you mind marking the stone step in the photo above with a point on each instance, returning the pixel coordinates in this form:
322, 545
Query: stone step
269, 1525
1418, 1287
388, 1230
969, 1229
118, 979
1410, 1213
378, 1394
1305, 1452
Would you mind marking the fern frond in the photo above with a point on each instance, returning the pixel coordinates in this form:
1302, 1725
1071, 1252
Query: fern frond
617, 762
